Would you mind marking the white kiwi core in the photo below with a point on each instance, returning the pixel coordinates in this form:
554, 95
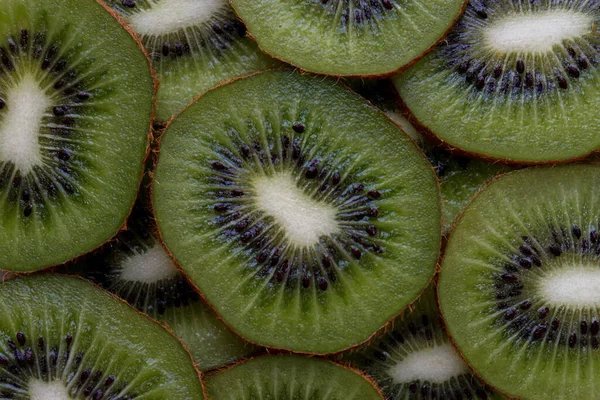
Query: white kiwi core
168, 16
434, 364
149, 266
303, 219
55, 390
574, 287
26, 105
536, 32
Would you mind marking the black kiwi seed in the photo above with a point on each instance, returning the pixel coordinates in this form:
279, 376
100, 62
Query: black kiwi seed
2, 104
543, 312
583, 327
577, 231
298, 128
128, 3
572, 339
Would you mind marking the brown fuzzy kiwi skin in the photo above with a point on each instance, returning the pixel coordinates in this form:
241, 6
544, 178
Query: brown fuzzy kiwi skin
345, 366
380, 75
199, 373
409, 307
149, 142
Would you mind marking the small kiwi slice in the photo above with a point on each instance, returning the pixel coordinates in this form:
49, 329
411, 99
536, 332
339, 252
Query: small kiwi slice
75, 108
137, 268
194, 45
414, 358
63, 338
514, 80
348, 37
290, 377
519, 283
305, 217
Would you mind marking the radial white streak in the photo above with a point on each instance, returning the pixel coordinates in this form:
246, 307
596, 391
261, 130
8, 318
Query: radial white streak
26, 105
433, 364
41, 390
575, 287
151, 266
303, 219
169, 16
537, 32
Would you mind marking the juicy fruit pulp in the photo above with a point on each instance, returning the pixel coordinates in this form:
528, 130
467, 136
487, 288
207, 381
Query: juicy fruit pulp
193, 44
307, 219
63, 338
514, 80
518, 286
290, 377
348, 37
75, 105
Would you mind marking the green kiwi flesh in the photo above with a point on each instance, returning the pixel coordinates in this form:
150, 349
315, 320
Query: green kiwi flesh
514, 80
414, 359
305, 217
290, 377
75, 109
194, 45
518, 284
137, 268
64, 338
348, 37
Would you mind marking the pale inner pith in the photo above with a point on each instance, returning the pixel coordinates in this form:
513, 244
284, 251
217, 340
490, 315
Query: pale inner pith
169, 16
433, 364
26, 105
576, 287
41, 390
152, 265
537, 32
303, 219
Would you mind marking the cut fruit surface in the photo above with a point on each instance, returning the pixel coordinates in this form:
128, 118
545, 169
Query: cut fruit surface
194, 45
518, 285
290, 377
305, 216
75, 109
348, 38
514, 80
63, 338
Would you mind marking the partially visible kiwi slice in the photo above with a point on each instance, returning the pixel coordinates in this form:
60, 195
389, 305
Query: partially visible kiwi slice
519, 283
514, 80
194, 45
63, 338
348, 37
75, 108
305, 216
290, 377
414, 358
137, 268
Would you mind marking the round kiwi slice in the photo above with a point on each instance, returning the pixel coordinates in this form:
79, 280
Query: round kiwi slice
75, 109
63, 338
514, 80
348, 37
303, 214
193, 44
290, 377
519, 283
137, 268
414, 359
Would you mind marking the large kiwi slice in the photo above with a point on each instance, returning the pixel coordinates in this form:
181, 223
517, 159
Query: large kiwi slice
63, 338
348, 37
75, 110
515, 80
414, 359
290, 377
305, 216
519, 283
193, 44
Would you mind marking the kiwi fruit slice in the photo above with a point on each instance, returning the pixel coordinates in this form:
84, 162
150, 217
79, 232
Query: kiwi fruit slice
305, 216
137, 268
414, 358
62, 337
194, 45
518, 283
514, 80
290, 377
348, 37
75, 109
